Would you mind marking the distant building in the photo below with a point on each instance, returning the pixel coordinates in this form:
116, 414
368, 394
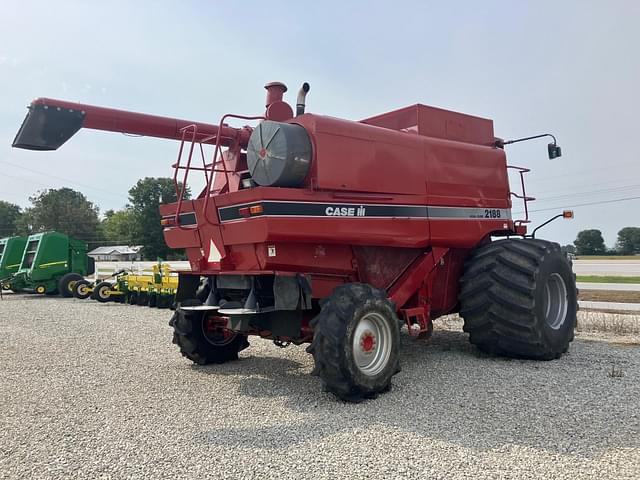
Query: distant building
117, 253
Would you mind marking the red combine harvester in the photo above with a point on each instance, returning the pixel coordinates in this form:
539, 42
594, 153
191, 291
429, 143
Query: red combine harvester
313, 229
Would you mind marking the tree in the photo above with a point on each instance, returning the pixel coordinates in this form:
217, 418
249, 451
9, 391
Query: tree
117, 227
145, 198
9, 217
590, 242
568, 249
629, 241
63, 210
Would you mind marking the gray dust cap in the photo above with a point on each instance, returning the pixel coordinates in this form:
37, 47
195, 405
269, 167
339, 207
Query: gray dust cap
279, 154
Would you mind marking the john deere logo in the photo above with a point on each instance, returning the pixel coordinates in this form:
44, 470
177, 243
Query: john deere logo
345, 211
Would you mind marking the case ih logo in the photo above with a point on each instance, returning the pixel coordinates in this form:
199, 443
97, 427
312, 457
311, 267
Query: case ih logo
345, 211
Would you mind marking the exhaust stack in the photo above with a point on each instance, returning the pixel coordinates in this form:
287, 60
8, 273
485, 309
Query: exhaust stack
302, 95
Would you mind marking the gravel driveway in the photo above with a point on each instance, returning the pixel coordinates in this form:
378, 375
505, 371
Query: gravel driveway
91, 390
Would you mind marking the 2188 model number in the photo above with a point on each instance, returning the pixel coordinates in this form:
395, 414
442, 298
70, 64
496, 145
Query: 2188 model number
491, 213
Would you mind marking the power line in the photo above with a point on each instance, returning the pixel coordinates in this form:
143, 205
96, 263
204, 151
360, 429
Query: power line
61, 178
585, 171
571, 187
46, 185
581, 204
591, 192
49, 186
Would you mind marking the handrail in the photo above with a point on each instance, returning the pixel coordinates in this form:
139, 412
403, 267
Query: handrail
180, 189
525, 198
215, 161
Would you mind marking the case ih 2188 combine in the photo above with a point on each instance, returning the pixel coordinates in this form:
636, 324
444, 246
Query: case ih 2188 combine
313, 229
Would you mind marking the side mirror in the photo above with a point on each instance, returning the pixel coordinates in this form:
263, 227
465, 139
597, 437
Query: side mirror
553, 148
554, 151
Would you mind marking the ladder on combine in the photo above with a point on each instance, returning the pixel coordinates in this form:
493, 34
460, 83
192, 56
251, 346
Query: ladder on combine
219, 165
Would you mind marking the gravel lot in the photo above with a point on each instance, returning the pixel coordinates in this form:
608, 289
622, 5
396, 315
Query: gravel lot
91, 390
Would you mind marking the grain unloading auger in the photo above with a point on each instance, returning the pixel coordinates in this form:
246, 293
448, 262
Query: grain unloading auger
313, 229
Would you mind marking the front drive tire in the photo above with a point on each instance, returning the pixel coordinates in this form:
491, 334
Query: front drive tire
200, 344
518, 298
356, 342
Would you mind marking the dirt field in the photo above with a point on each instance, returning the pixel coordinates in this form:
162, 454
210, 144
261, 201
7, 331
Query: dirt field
95, 390
610, 296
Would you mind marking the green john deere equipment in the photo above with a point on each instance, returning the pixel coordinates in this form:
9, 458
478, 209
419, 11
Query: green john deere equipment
51, 263
11, 250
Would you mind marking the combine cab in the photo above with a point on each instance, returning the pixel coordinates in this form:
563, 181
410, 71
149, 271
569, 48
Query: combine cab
313, 229
51, 263
11, 250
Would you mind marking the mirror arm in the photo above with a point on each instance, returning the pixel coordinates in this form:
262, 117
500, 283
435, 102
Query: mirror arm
553, 149
508, 142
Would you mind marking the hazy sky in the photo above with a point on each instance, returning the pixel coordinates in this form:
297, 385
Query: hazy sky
567, 67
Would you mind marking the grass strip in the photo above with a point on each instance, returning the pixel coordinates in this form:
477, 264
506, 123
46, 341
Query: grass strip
606, 279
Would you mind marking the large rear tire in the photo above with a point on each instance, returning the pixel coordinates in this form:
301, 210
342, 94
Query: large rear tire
356, 342
200, 343
518, 298
67, 282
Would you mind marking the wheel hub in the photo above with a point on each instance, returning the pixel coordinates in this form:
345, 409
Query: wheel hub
215, 334
554, 301
367, 342
372, 342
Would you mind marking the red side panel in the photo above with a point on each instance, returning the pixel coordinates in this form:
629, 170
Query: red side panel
397, 232
446, 282
177, 237
356, 157
334, 259
351, 156
380, 266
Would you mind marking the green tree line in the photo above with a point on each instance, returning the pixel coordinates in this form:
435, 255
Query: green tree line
591, 242
69, 211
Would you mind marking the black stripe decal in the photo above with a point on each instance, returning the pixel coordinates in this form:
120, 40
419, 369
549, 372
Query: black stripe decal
308, 209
